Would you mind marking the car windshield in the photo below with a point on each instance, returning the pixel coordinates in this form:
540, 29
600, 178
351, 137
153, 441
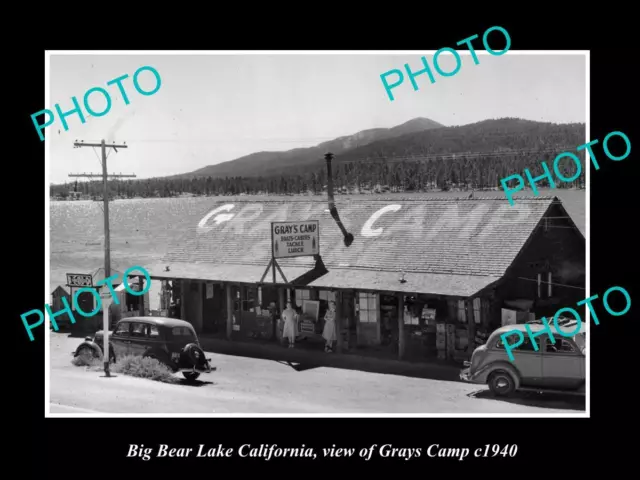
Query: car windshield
182, 334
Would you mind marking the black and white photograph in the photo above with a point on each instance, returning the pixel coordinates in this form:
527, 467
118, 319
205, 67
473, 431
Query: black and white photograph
317, 234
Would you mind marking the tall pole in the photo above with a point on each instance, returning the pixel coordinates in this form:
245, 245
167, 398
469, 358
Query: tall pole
107, 241
105, 198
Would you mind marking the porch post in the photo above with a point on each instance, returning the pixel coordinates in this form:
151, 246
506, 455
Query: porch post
141, 308
340, 339
281, 305
401, 337
471, 325
183, 309
229, 311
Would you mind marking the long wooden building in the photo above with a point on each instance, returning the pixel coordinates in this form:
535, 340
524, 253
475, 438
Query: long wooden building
424, 278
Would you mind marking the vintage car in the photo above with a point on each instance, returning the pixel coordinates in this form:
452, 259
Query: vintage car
554, 367
173, 342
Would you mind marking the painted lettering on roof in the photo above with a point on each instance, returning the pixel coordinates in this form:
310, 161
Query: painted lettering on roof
439, 236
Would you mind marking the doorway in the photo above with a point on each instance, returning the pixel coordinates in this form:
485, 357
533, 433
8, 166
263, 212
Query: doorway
214, 309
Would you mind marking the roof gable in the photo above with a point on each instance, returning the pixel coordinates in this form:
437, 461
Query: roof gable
60, 291
440, 236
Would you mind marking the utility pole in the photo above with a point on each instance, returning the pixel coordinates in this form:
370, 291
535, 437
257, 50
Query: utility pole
107, 240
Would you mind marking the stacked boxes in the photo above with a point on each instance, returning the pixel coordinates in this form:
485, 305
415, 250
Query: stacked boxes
441, 340
451, 339
462, 339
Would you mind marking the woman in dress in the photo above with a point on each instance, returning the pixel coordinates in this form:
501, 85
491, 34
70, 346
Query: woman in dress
289, 331
329, 331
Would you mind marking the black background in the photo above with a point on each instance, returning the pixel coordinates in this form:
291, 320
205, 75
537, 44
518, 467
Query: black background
553, 446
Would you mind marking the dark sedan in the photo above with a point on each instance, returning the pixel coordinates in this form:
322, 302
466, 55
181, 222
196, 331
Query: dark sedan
173, 342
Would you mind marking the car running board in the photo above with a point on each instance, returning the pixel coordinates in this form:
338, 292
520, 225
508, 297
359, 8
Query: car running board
194, 370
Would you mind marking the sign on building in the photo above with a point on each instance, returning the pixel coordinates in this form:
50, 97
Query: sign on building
79, 280
295, 239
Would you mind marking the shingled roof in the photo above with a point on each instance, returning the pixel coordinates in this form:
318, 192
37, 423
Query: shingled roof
441, 237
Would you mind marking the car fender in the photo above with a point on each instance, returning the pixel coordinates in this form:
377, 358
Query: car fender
91, 344
489, 369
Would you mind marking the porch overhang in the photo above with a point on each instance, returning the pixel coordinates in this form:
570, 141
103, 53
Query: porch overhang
427, 283
211, 272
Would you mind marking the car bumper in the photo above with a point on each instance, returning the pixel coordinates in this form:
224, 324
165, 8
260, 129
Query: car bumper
194, 369
466, 376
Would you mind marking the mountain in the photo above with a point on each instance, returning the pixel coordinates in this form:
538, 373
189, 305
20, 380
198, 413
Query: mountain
487, 136
275, 163
419, 155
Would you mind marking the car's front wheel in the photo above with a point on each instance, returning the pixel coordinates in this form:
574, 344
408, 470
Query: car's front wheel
502, 383
87, 354
191, 376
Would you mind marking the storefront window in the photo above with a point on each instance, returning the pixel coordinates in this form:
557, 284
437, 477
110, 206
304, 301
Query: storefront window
369, 311
409, 317
477, 305
327, 296
248, 299
413, 310
302, 295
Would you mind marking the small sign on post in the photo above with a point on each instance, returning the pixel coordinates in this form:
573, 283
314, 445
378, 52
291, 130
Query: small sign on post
295, 239
79, 280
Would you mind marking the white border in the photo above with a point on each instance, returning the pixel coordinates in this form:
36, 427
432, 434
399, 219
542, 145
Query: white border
47, 382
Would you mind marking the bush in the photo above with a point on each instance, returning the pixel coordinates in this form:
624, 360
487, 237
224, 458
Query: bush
83, 361
144, 367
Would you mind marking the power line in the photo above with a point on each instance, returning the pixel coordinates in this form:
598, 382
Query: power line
105, 192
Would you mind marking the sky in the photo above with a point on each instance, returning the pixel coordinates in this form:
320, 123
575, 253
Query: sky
214, 108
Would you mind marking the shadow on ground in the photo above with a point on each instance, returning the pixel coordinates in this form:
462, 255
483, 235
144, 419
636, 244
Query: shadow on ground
306, 358
535, 399
298, 367
308, 355
194, 383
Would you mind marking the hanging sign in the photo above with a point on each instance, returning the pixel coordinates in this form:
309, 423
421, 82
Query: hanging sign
295, 239
79, 280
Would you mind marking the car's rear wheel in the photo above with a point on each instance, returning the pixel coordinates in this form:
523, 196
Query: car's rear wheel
191, 376
502, 383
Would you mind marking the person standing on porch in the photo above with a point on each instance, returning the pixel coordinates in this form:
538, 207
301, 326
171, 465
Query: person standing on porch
290, 331
329, 331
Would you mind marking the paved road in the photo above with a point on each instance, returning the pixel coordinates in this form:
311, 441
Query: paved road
248, 385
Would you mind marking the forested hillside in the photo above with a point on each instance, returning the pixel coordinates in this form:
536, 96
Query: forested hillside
300, 159
473, 156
